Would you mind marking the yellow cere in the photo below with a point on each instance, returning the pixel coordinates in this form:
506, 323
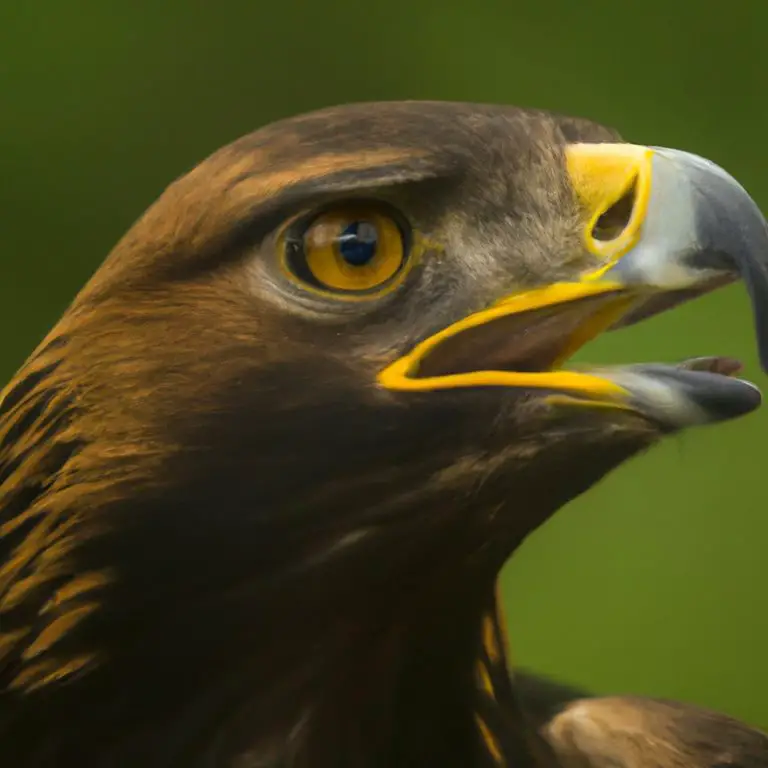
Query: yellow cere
374, 244
613, 183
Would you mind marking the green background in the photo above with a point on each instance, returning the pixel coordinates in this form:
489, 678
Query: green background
655, 581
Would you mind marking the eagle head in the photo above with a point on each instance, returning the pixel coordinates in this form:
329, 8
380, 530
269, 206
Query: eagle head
257, 484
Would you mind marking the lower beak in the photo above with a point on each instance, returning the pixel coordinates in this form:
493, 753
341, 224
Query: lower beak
665, 226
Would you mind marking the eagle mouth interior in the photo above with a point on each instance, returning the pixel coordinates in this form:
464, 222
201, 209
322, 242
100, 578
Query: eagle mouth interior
541, 340
532, 341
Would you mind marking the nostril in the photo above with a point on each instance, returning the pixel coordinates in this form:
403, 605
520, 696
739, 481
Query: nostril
616, 219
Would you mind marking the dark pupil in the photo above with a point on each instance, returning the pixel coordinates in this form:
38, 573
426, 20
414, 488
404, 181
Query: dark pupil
357, 243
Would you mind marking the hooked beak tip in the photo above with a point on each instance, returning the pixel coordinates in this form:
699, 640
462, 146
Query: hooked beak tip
695, 228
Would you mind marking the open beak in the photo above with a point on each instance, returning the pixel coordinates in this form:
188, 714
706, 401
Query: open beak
664, 226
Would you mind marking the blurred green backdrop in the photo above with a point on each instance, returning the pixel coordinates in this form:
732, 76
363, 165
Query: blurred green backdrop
655, 581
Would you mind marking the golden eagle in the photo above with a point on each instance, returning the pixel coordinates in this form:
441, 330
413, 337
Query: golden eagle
257, 484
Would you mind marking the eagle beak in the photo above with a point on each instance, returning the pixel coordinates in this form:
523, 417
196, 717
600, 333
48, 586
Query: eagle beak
664, 226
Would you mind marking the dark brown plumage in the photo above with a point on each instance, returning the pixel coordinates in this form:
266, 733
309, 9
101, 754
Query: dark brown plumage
227, 538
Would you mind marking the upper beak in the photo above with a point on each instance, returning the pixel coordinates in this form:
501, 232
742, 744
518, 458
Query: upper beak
664, 226
700, 229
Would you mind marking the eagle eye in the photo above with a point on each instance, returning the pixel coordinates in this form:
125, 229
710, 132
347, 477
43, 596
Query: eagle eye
353, 250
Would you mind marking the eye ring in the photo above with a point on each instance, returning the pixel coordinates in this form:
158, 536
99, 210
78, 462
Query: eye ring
354, 251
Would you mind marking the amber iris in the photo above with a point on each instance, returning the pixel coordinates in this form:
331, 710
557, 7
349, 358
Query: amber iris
355, 249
